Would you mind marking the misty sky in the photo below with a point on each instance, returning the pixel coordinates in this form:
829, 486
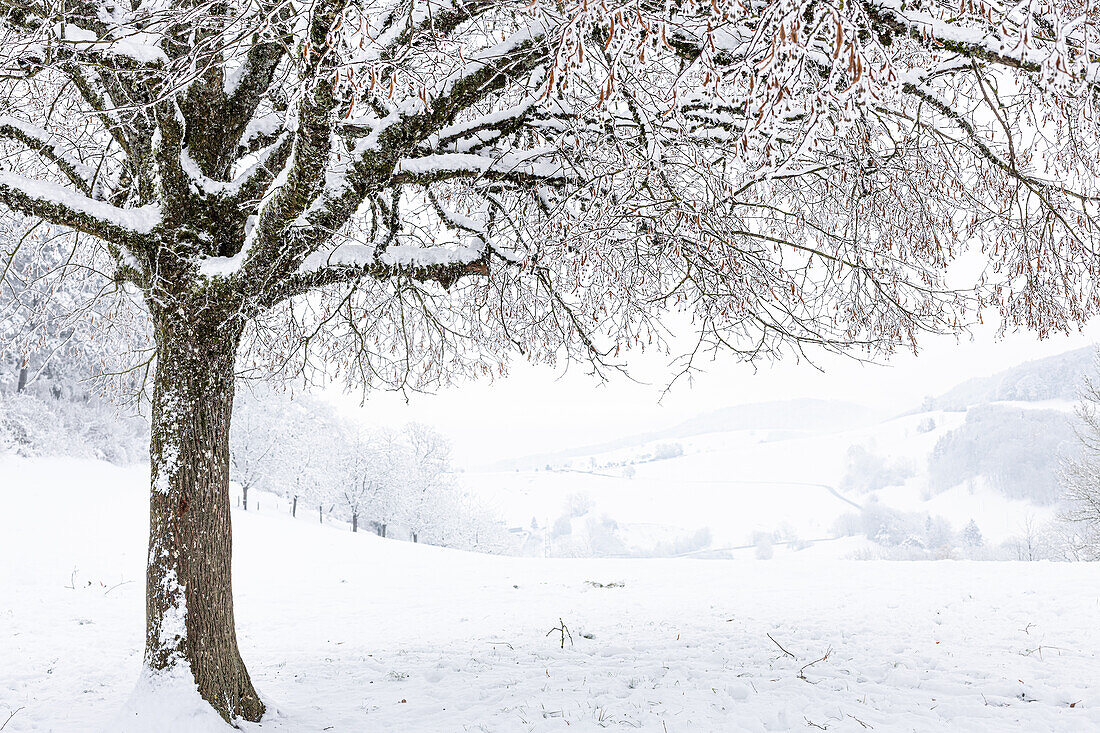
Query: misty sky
539, 409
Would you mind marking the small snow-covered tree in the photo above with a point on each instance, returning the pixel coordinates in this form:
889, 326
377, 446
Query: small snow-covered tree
302, 464
360, 481
578, 504
972, 536
393, 469
1080, 478
426, 480
255, 441
404, 192
939, 538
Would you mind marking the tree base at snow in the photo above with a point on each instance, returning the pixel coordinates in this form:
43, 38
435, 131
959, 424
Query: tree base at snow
168, 701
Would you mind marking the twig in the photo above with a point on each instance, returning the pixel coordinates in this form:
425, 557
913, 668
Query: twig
564, 632
116, 585
780, 646
802, 672
1029, 652
10, 716
816, 725
865, 725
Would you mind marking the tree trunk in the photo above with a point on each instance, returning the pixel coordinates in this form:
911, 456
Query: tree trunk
414, 537
320, 514
383, 530
354, 522
189, 597
294, 508
244, 497
22, 379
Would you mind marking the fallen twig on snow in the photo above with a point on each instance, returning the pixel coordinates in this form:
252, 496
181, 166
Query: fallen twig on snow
780, 646
802, 672
116, 585
596, 584
865, 725
10, 716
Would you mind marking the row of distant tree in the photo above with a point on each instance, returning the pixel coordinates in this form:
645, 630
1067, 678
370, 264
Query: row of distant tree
397, 483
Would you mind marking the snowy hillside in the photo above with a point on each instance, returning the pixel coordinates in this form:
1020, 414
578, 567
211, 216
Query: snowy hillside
1053, 378
352, 633
826, 479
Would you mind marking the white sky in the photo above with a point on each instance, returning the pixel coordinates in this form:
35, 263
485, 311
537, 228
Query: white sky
538, 409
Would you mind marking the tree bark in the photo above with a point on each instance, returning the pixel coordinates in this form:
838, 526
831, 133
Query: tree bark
244, 497
354, 522
294, 508
22, 379
189, 596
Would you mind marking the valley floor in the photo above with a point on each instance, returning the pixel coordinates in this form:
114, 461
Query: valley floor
347, 632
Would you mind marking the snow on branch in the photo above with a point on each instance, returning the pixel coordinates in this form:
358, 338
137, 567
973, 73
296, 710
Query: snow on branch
42, 142
495, 57
61, 205
512, 167
1006, 43
349, 264
249, 182
466, 136
137, 46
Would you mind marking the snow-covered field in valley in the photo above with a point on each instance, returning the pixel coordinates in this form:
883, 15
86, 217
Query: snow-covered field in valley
741, 483
350, 632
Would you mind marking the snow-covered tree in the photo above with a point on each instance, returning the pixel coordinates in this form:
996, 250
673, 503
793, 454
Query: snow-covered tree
257, 437
361, 482
764, 549
972, 536
404, 192
1080, 478
305, 462
426, 481
939, 538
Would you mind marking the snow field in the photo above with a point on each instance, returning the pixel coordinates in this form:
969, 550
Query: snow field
348, 632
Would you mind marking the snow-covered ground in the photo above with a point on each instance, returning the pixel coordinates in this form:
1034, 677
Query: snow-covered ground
347, 632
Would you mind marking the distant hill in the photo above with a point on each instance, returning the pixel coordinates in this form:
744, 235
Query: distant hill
1053, 378
806, 415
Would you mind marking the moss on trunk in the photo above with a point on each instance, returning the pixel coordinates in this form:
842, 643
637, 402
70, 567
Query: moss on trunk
189, 596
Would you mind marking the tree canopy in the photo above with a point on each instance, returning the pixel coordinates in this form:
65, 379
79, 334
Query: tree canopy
785, 172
